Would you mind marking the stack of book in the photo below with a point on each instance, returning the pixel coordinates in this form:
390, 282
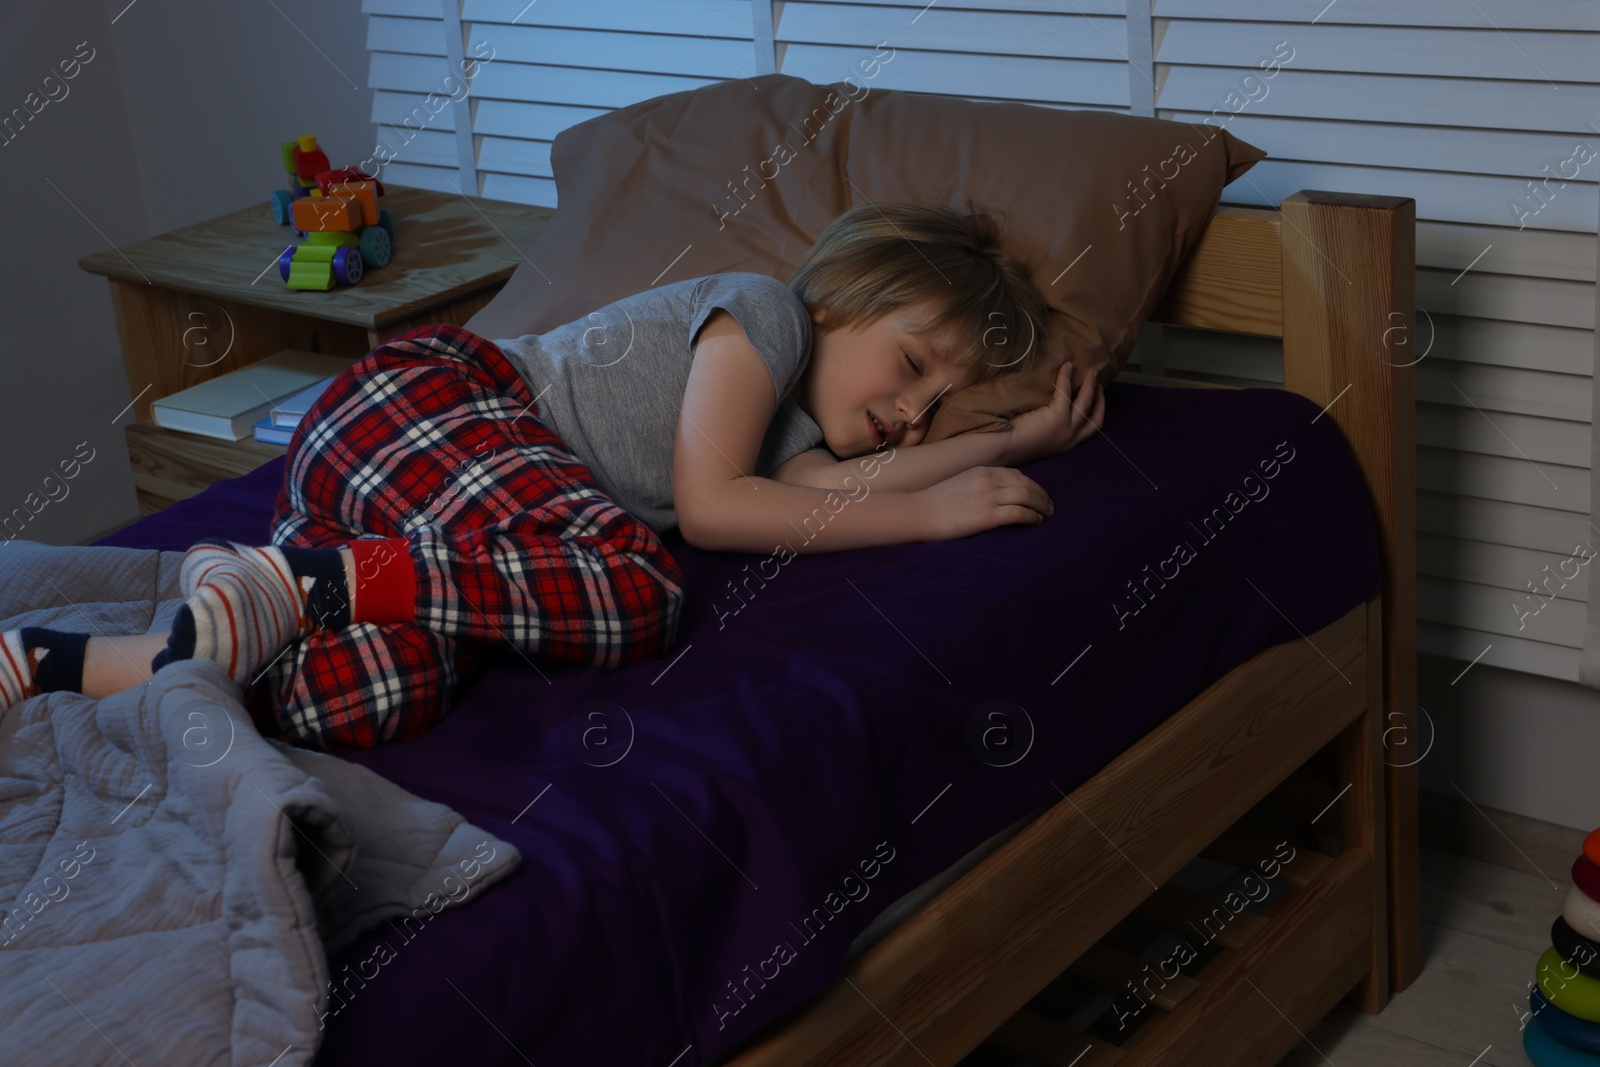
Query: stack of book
265, 399
279, 424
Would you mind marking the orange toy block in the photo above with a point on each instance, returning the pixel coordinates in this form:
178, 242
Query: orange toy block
363, 193
325, 213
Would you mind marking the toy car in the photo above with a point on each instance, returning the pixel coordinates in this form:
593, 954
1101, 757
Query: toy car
337, 212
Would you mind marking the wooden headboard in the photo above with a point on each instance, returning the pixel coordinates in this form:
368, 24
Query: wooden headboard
1333, 275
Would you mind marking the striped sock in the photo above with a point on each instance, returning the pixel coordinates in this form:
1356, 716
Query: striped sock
36, 660
16, 670
243, 605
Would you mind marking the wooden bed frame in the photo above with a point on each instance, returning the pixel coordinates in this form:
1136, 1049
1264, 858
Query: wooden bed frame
1257, 757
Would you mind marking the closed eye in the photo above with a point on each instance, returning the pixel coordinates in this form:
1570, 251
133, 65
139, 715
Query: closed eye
914, 367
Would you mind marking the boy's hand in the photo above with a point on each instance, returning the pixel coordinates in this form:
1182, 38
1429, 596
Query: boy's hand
1061, 424
979, 499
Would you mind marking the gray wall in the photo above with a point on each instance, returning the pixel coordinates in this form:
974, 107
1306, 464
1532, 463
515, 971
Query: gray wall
175, 119
1509, 740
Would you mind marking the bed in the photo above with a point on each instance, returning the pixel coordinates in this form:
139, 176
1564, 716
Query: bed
1000, 734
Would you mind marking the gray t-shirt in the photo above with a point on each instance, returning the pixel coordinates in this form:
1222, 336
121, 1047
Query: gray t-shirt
612, 383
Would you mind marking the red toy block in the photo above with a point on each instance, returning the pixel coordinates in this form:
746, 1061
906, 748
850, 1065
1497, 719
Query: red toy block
346, 174
309, 160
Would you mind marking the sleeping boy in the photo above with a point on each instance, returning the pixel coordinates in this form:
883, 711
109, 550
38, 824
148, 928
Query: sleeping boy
448, 494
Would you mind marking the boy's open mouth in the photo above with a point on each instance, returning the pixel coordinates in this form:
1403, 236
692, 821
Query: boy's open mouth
878, 434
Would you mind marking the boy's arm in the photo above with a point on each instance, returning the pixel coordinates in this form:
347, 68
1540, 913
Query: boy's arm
727, 406
903, 470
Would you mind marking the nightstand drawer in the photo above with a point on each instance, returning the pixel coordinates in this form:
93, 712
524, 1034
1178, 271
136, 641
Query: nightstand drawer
169, 465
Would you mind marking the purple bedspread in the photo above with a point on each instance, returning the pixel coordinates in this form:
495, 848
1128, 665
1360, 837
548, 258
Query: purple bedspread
704, 834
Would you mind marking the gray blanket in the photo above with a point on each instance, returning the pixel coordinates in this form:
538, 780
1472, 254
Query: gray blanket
172, 881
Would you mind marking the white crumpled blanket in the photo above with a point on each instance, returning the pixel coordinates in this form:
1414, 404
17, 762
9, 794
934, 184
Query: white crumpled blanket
172, 881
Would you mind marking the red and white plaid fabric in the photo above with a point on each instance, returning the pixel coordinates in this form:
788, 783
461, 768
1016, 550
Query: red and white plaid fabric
434, 437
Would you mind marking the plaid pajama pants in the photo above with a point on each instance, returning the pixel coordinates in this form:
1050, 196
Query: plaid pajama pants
434, 437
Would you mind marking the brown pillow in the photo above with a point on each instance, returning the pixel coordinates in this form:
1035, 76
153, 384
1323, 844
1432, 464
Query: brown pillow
746, 173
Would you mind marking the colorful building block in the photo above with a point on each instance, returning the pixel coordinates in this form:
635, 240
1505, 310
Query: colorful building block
336, 212
309, 160
363, 193
346, 174
326, 213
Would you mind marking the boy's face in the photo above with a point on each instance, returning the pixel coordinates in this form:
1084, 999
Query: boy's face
882, 371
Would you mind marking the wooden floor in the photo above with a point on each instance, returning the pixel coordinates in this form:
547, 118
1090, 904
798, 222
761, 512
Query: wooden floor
1483, 927
1492, 884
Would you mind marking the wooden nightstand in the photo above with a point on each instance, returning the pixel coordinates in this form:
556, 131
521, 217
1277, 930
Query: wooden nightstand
208, 299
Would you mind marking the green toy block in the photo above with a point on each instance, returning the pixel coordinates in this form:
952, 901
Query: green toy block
314, 253
309, 274
336, 238
288, 157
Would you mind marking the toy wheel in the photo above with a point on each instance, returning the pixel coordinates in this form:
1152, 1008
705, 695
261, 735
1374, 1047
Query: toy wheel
285, 260
281, 201
375, 246
387, 222
347, 266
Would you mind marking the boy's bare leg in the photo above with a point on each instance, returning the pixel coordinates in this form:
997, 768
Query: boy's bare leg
112, 664
350, 578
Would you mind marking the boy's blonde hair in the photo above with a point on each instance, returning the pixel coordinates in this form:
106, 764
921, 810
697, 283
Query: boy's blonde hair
875, 258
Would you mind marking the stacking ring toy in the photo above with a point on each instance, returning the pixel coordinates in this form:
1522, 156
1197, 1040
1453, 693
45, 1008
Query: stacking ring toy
1567, 1029
1582, 913
1567, 988
1545, 1051
1591, 847
1586, 876
1575, 948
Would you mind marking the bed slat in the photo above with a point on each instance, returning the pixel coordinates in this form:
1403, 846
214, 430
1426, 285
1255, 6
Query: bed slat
1051, 1044
1177, 907
1244, 848
1123, 971
1256, 1004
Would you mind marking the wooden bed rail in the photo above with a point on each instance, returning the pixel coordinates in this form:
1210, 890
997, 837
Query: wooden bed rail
1333, 275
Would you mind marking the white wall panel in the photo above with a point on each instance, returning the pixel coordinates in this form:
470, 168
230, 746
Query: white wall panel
1454, 424
510, 118
410, 35
1523, 573
1062, 35
1463, 53
607, 89
1506, 14
1498, 105
1379, 144
1440, 196
699, 57
729, 19
1481, 114
1025, 78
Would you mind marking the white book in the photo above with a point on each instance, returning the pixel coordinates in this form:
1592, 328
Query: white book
226, 406
291, 411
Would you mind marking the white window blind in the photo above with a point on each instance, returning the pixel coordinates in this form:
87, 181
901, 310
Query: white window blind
1459, 105
409, 59
1483, 111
